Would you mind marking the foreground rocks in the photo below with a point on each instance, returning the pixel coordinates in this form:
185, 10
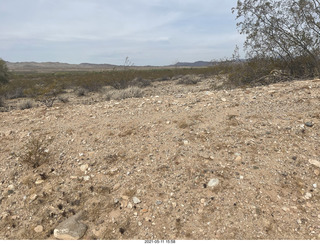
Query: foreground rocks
203, 164
71, 228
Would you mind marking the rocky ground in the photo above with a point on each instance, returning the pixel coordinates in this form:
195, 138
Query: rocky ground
188, 163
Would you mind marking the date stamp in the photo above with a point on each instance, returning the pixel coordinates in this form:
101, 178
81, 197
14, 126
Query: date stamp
160, 242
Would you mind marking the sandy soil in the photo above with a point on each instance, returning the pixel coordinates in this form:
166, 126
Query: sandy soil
261, 144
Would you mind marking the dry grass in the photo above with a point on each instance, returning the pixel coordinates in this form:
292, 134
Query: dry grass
36, 152
124, 94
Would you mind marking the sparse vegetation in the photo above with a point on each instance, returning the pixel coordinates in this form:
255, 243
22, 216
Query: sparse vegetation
4, 72
2, 102
188, 80
129, 92
27, 104
36, 151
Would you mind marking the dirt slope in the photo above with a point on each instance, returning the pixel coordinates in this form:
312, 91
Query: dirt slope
262, 144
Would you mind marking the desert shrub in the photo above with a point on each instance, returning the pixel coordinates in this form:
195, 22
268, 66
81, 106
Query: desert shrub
63, 99
91, 86
2, 102
4, 72
36, 152
129, 92
15, 93
139, 82
188, 80
26, 105
81, 92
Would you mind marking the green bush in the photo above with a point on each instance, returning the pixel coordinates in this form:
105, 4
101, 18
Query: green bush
4, 72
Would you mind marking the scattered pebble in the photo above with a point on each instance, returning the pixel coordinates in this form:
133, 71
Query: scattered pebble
71, 228
38, 182
158, 202
238, 159
213, 182
38, 228
314, 162
286, 209
309, 124
136, 200
10, 187
86, 178
84, 167
33, 197
308, 195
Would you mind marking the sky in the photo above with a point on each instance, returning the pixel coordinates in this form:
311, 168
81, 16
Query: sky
148, 32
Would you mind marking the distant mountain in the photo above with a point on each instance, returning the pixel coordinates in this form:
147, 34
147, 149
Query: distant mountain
194, 64
56, 66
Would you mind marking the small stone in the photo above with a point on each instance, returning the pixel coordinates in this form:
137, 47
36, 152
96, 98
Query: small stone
238, 159
86, 178
309, 124
71, 228
10, 187
136, 200
139, 223
158, 202
315, 185
314, 162
223, 99
33, 197
202, 200
84, 167
38, 228
185, 142
286, 209
317, 172
144, 210
213, 182
308, 195
116, 186
129, 205
38, 182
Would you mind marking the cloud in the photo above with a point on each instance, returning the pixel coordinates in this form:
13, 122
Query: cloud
107, 31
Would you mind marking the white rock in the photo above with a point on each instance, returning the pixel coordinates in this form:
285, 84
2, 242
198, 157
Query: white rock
71, 228
84, 167
136, 200
38, 228
213, 182
308, 195
314, 162
38, 182
10, 187
33, 197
